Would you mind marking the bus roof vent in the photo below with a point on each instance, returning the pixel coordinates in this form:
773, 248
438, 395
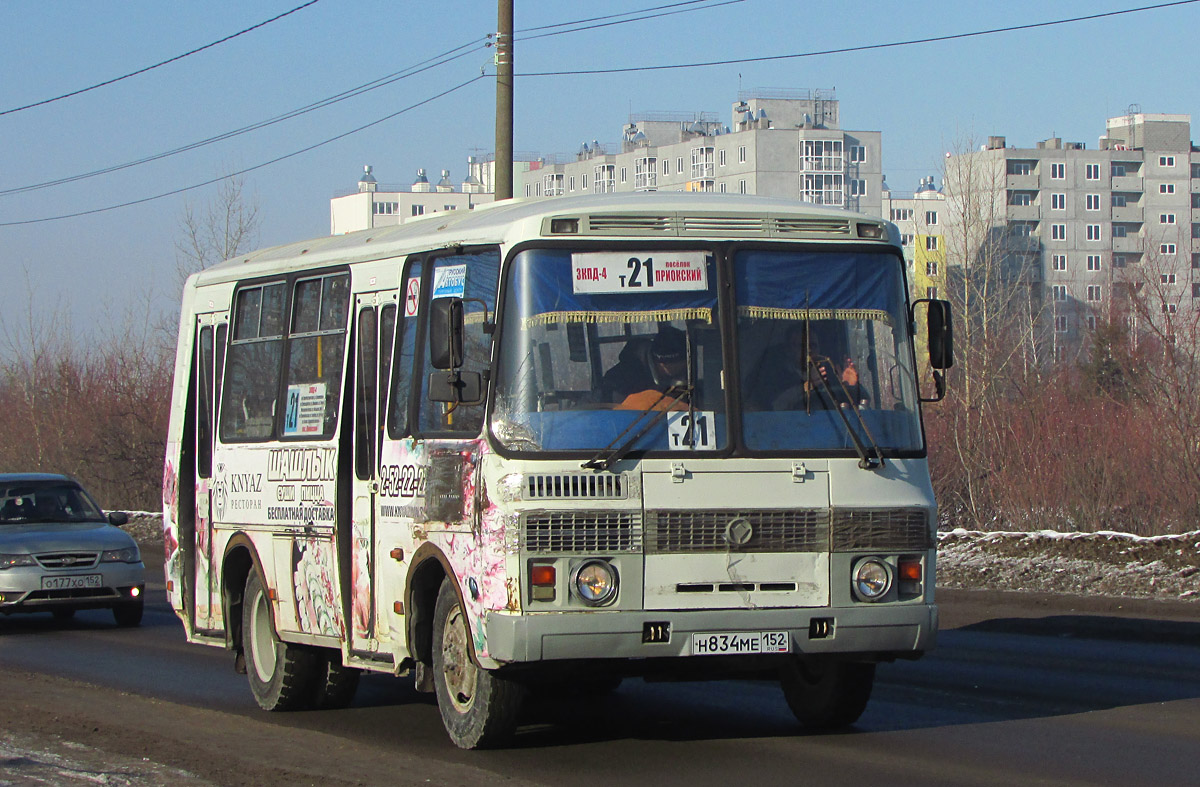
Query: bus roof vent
567, 486
787, 225
619, 224
723, 225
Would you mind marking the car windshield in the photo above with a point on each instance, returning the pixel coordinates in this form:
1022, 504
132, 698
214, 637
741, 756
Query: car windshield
46, 501
612, 351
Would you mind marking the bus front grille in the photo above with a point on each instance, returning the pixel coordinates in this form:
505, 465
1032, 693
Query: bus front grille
881, 529
608, 486
593, 532
786, 530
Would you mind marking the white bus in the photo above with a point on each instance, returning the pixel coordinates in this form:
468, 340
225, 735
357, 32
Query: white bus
563, 442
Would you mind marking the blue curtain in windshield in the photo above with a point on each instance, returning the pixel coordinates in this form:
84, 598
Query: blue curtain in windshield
773, 286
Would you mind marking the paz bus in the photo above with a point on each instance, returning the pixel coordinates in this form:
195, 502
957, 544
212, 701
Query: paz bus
422, 450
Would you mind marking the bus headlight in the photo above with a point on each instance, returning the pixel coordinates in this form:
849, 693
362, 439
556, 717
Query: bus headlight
872, 579
595, 582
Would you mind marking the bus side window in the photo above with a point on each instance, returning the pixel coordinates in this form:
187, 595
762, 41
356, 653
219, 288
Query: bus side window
316, 347
251, 383
366, 389
387, 335
479, 274
405, 356
203, 377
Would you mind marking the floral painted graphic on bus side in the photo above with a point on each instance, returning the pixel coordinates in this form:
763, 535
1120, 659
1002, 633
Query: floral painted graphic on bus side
172, 559
361, 578
316, 594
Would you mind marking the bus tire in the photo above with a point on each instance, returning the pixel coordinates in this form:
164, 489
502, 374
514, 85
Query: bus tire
827, 695
282, 675
479, 708
336, 684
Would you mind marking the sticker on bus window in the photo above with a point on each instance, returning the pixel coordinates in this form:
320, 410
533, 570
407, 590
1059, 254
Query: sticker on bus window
450, 281
305, 413
691, 431
639, 272
412, 296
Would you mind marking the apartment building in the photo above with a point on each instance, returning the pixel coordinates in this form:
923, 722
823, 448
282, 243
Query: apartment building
779, 143
923, 218
1098, 224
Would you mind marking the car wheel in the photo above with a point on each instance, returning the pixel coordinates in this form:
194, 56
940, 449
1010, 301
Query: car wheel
479, 708
63, 613
281, 674
129, 613
827, 695
336, 683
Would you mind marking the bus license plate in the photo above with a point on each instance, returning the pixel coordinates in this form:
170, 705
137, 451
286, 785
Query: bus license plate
742, 642
71, 583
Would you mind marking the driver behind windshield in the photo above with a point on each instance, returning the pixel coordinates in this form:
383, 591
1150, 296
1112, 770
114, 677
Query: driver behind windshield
645, 370
797, 375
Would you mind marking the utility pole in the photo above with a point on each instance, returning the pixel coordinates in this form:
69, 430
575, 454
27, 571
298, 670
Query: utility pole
504, 100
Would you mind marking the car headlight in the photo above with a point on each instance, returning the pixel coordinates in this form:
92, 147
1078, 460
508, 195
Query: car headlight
12, 561
595, 582
872, 579
126, 555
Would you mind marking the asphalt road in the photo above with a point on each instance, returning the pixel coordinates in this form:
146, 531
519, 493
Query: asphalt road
1019, 691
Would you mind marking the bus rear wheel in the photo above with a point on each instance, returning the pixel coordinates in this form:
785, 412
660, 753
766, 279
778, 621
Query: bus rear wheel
827, 695
335, 683
282, 675
479, 708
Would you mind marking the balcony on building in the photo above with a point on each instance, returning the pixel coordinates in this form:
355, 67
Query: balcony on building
1130, 182
1021, 174
1131, 243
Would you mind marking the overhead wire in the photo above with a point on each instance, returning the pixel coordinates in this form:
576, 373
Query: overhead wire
159, 65
863, 48
246, 170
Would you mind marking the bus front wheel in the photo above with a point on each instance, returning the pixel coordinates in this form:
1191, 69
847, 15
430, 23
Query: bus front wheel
281, 675
827, 695
478, 707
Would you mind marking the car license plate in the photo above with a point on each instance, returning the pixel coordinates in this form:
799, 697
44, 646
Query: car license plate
71, 583
741, 642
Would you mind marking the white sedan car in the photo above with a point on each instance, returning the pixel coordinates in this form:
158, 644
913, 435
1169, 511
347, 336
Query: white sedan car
59, 552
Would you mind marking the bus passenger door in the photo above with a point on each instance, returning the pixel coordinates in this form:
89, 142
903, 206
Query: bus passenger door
210, 357
376, 319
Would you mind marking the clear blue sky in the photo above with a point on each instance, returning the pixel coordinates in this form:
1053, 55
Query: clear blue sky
925, 99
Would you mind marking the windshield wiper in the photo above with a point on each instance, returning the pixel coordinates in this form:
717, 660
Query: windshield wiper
865, 461
607, 456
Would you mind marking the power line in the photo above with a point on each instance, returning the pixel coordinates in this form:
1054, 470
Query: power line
627, 21
418, 68
157, 65
275, 160
609, 16
863, 48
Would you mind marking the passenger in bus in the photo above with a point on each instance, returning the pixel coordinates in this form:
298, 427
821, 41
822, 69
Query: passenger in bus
787, 380
646, 369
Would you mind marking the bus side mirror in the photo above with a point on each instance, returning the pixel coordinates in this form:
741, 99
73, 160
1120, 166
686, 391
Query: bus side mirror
446, 333
941, 335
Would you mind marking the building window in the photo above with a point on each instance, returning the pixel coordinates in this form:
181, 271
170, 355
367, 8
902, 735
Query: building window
1118, 260
1169, 308
585, 181
1093, 262
571, 183
1196, 289
741, 187
1118, 170
1021, 229
931, 217
1093, 232
1166, 161
906, 239
858, 154
1092, 172
931, 293
1196, 170
702, 163
645, 173
1093, 293
679, 166
1166, 278
931, 267
1166, 188
1020, 168
1196, 261
1118, 200
1058, 232
821, 155
666, 167
722, 187
858, 187
1166, 248
1058, 262
1166, 218
552, 184
1060, 323
822, 189
931, 243
604, 179
1092, 202
1120, 231
1058, 202
419, 210
1091, 322
624, 174
1058, 171
902, 214
742, 154
721, 158
1058, 292
1019, 198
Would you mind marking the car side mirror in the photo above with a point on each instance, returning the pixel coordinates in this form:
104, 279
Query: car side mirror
118, 518
941, 335
446, 328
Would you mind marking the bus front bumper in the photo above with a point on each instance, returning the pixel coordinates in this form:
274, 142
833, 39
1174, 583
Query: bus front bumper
875, 632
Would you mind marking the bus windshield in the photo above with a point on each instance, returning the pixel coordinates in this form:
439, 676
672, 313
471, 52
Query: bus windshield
604, 349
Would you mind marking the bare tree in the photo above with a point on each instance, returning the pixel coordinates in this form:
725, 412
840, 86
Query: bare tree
218, 230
